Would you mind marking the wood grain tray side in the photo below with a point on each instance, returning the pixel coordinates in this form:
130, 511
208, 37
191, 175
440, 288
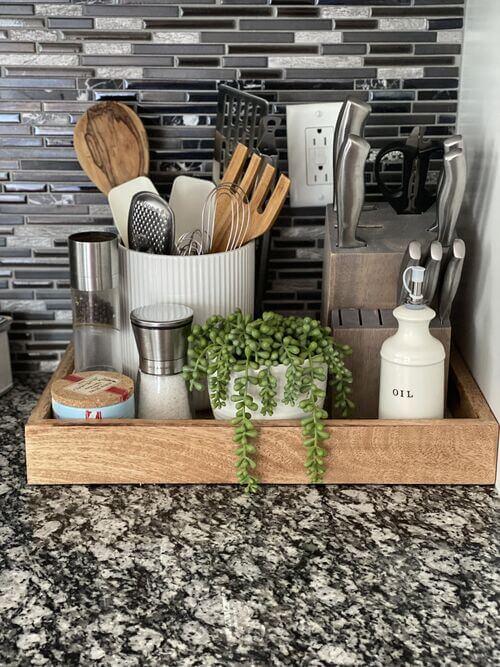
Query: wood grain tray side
461, 450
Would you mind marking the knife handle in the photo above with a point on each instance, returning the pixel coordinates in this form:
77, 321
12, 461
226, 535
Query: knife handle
455, 141
452, 194
412, 257
351, 120
432, 271
350, 189
451, 279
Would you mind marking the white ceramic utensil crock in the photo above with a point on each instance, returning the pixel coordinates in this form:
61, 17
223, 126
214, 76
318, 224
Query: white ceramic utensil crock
214, 284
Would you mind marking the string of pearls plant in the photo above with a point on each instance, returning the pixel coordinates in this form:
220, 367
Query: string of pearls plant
251, 348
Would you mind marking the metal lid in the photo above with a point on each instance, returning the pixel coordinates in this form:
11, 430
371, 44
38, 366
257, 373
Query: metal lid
93, 260
162, 316
161, 332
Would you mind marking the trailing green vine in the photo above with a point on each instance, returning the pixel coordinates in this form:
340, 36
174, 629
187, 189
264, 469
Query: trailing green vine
244, 434
250, 349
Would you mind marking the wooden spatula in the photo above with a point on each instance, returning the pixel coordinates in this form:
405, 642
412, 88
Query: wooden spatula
112, 147
260, 220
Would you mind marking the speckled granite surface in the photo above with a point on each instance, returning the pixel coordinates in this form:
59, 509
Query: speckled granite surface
206, 576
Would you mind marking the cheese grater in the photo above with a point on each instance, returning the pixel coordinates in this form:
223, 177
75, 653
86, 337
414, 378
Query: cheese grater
151, 225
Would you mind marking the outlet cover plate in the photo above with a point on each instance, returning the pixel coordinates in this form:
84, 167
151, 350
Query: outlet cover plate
310, 153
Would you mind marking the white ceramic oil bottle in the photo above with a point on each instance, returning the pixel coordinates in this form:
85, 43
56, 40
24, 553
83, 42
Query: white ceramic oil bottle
412, 361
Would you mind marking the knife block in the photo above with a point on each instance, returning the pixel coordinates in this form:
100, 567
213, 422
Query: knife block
367, 277
364, 330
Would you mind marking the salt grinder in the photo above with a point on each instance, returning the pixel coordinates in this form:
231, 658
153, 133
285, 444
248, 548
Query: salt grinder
161, 332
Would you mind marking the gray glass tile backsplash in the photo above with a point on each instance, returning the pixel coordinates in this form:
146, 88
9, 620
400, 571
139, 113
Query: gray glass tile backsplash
166, 59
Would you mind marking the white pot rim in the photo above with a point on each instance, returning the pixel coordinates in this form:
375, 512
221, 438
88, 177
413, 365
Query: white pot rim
279, 367
187, 258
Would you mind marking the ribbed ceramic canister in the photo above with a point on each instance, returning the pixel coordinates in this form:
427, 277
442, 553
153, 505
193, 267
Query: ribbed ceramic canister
211, 284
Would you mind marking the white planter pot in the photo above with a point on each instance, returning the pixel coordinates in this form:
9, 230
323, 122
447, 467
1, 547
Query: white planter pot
281, 411
214, 284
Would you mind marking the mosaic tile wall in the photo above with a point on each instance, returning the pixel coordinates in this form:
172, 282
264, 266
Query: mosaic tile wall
165, 59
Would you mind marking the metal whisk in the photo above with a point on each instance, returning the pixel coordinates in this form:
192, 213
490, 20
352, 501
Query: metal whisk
190, 243
225, 218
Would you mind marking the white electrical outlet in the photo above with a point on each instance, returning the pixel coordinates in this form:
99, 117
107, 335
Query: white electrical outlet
310, 130
319, 151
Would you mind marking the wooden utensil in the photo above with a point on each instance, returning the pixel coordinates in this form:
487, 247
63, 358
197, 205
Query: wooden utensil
111, 145
261, 219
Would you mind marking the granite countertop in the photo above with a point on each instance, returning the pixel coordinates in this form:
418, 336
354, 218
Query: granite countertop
206, 576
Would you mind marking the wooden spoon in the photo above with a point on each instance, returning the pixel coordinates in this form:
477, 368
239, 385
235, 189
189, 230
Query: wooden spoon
111, 145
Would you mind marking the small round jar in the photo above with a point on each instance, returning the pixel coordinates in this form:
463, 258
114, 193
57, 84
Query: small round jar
92, 395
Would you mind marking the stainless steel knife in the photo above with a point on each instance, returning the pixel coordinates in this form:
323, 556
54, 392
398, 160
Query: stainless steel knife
351, 120
412, 257
451, 279
350, 189
451, 195
455, 141
432, 271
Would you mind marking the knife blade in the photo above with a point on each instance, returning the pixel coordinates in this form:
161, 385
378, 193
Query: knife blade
451, 279
350, 189
451, 195
351, 120
432, 271
412, 257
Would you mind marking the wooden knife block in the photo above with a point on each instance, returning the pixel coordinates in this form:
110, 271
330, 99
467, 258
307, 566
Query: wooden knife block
364, 330
360, 292
367, 277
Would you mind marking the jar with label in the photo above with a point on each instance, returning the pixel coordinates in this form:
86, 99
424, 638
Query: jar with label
93, 260
89, 395
161, 332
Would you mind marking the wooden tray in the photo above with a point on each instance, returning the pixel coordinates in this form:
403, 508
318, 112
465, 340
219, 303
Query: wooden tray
458, 450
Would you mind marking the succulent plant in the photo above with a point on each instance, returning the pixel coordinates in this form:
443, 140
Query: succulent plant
251, 348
